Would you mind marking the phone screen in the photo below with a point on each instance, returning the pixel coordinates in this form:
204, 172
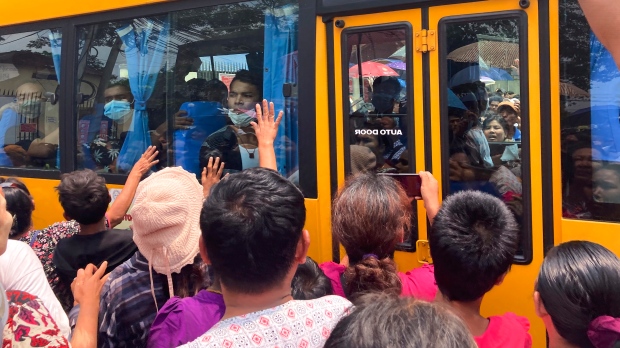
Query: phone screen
412, 183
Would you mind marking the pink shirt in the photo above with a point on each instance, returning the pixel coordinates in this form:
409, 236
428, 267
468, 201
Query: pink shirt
419, 282
506, 331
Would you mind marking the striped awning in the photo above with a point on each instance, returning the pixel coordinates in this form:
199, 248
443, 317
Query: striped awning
494, 53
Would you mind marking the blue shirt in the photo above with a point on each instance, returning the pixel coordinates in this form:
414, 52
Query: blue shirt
127, 308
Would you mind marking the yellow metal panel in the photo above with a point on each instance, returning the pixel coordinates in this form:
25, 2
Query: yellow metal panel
515, 294
16, 12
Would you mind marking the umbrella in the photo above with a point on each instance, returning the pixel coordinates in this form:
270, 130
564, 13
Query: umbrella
393, 63
570, 90
454, 101
371, 69
496, 53
475, 73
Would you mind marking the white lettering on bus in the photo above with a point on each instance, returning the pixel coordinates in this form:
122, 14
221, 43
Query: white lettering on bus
377, 132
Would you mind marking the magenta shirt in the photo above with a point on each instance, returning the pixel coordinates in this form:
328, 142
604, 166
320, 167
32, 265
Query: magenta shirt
419, 282
182, 320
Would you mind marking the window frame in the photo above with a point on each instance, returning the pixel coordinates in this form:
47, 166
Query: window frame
526, 227
68, 109
410, 244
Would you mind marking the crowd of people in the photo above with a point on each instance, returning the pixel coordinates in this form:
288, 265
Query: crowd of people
223, 263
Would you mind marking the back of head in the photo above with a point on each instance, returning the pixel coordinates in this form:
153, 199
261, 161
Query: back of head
578, 283
382, 320
19, 203
83, 196
310, 282
166, 215
473, 242
251, 225
370, 215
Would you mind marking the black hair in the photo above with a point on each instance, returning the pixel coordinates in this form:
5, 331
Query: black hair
18, 203
577, 283
382, 320
473, 242
387, 85
124, 83
310, 282
216, 91
251, 225
83, 196
252, 78
496, 98
502, 122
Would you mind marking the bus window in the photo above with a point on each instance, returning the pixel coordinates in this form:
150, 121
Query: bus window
482, 115
377, 81
590, 115
29, 71
187, 82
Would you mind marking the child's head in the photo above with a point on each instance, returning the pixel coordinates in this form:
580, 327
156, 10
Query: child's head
370, 215
20, 204
310, 282
473, 242
382, 320
252, 229
83, 196
577, 294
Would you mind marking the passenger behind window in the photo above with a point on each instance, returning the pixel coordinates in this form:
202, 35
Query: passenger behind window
510, 112
379, 144
399, 322
369, 265
579, 170
20, 124
236, 143
473, 242
495, 130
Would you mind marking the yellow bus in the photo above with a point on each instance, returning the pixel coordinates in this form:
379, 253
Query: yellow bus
393, 86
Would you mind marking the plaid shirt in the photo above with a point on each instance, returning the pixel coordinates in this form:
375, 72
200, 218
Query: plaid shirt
127, 308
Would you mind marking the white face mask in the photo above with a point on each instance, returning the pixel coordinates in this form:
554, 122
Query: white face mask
31, 108
243, 119
118, 110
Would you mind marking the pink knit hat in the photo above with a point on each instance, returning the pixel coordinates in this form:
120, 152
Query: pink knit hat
166, 220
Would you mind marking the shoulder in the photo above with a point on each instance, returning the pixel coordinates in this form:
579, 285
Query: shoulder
419, 282
507, 330
333, 271
515, 322
18, 250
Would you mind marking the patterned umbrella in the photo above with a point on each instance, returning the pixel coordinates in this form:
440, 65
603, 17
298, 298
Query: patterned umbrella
570, 90
499, 54
372, 69
393, 63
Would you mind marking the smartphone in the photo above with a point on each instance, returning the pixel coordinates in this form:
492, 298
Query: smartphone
412, 183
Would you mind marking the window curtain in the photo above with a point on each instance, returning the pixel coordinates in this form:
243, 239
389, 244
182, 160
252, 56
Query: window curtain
605, 102
144, 51
281, 68
55, 37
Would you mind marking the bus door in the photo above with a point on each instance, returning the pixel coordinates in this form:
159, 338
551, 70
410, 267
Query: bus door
485, 126
379, 118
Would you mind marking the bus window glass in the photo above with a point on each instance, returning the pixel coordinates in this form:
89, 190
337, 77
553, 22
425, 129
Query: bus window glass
188, 82
590, 121
482, 116
380, 122
29, 75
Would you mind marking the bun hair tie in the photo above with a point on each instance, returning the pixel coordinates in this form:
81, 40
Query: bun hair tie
604, 331
367, 256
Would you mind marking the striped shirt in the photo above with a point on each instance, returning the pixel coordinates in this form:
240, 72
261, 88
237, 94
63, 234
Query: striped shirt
127, 308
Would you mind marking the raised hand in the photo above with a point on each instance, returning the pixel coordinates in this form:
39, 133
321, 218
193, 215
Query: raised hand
146, 162
266, 125
211, 175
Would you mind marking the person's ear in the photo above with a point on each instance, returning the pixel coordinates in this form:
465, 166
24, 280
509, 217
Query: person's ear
302, 247
67, 217
501, 278
203, 251
539, 307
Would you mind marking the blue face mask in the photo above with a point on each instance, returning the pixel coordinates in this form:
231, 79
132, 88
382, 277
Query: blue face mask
117, 110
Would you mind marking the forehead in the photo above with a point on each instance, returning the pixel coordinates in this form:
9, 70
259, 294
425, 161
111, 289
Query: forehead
116, 90
243, 87
494, 102
494, 123
607, 173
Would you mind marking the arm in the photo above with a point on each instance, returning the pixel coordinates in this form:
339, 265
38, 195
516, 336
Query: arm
121, 204
211, 175
86, 289
266, 129
430, 195
604, 18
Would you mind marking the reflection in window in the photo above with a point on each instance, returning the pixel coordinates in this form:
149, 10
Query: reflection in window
379, 123
29, 75
187, 82
483, 109
590, 114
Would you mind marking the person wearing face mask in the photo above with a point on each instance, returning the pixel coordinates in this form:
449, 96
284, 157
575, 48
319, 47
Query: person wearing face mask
236, 142
21, 117
114, 126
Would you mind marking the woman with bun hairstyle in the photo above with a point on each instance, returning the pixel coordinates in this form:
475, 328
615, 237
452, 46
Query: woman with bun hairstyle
577, 296
370, 215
